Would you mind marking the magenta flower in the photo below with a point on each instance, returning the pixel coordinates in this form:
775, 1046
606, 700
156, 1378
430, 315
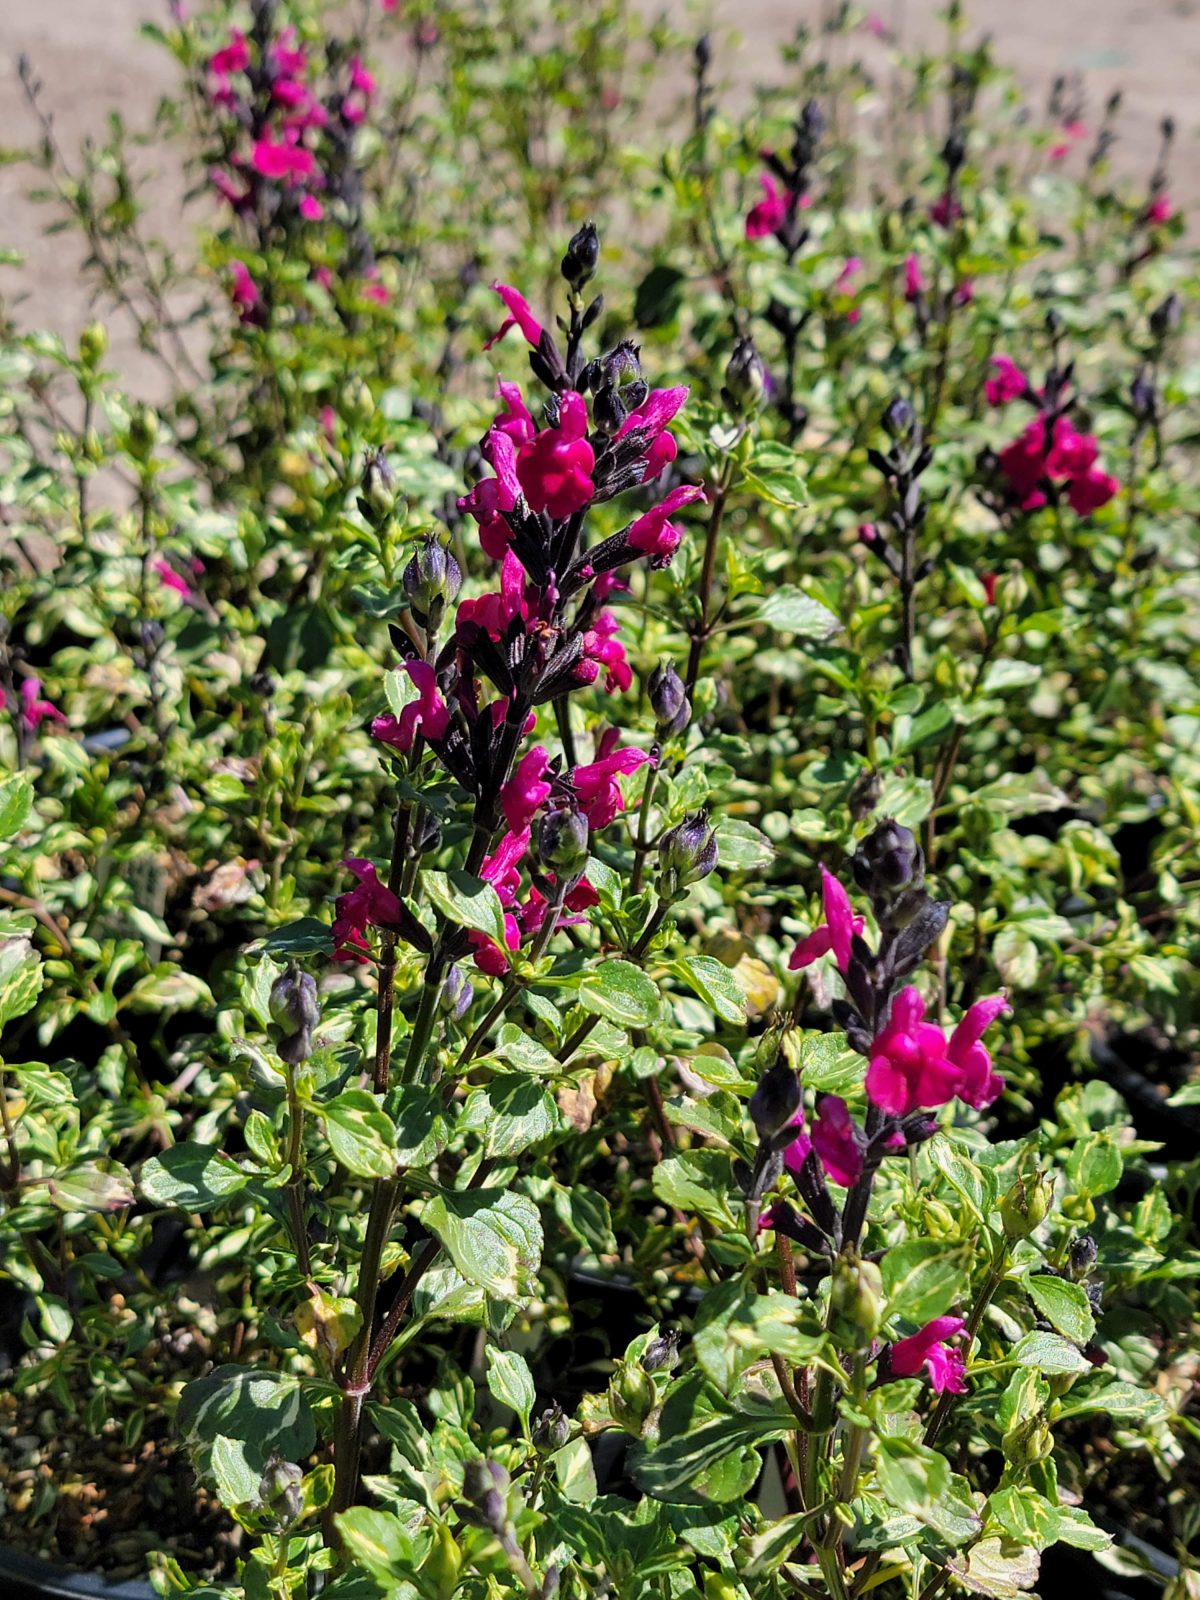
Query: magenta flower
234, 57
427, 714
978, 1085
1090, 491
797, 1153
493, 612
502, 870
927, 1348
1160, 210
845, 286
1070, 453
282, 160
371, 904
491, 497
287, 56
515, 419
171, 579
34, 710
232, 192
1009, 382
945, 210
653, 533
526, 790
596, 786
651, 419
555, 467
769, 215
835, 933
602, 648
914, 280
1073, 130
520, 316
243, 291
835, 1138
909, 1069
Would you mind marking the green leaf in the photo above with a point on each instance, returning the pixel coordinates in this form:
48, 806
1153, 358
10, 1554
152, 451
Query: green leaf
742, 847
911, 1475
305, 937
21, 978
1123, 1400
697, 1460
379, 1541
1064, 1305
265, 1411
780, 487
511, 1113
192, 1177
923, 1278
1016, 957
1010, 673
996, 1568
360, 1133
792, 611
92, 1186
168, 988
467, 902
697, 1182
1095, 1164
16, 802
736, 1327
1047, 1352
493, 1236
236, 1480
714, 983
511, 1381
621, 993
659, 296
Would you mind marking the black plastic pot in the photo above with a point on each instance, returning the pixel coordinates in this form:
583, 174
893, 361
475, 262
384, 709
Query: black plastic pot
26, 1578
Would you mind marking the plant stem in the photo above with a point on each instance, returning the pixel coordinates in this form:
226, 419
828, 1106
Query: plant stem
295, 1183
642, 843
700, 633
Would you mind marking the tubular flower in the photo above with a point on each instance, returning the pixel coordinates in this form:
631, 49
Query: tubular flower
519, 316
282, 159
1054, 450
835, 933
653, 533
845, 288
909, 1069
492, 497
914, 278
494, 612
34, 710
835, 1138
243, 291
797, 1153
769, 215
595, 784
526, 790
427, 714
651, 419
371, 904
502, 870
1008, 383
927, 1349
979, 1085
601, 647
514, 420
554, 468
233, 57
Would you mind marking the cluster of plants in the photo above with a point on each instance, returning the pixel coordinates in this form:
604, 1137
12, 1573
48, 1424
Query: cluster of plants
599, 827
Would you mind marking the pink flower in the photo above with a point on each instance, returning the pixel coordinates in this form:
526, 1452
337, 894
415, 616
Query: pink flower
1009, 382
845, 286
596, 786
836, 1140
554, 467
988, 580
526, 790
234, 57
502, 870
964, 292
275, 159
243, 291
927, 1349
945, 210
797, 1153
35, 710
324, 277
769, 215
909, 1068
493, 612
362, 91
426, 714
170, 578
1160, 210
520, 316
311, 208
491, 497
372, 904
1024, 461
651, 419
514, 420
602, 647
914, 281
287, 56
1090, 491
1070, 453
1073, 129
228, 189
835, 933
653, 533
371, 289
978, 1085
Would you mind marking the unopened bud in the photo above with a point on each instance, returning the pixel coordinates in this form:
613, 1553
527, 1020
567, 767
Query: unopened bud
280, 1490
669, 701
293, 1006
486, 1486
775, 1101
899, 418
661, 1354
889, 866
357, 404
1142, 396
1027, 1442
552, 1429
1025, 1205
855, 1302
608, 409
686, 853
143, 432
431, 581
954, 151
562, 842
457, 992
745, 378
631, 1396
1081, 1257
583, 253
93, 342
377, 499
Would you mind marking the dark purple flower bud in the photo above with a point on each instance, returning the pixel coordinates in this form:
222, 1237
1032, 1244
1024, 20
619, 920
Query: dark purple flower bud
608, 409
776, 1100
583, 253
661, 1354
293, 1001
280, 1489
431, 581
686, 853
668, 700
552, 1429
1142, 396
1165, 317
377, 499
457, 993
1081, 1257
703, 52
899, 418
745, 379
888, 862
485, 1486
954, 151
562, 842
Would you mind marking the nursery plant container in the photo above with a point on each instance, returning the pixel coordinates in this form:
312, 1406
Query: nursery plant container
27, 1578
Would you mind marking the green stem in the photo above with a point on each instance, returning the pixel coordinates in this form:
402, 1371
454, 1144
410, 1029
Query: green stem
642, 843
295, 1183
700, 633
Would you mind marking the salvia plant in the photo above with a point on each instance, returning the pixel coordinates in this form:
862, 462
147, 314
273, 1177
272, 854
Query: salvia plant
597, 957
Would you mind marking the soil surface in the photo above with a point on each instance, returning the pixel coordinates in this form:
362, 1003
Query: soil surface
89, 57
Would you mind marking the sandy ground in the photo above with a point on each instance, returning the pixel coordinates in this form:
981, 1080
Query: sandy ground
90, 59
